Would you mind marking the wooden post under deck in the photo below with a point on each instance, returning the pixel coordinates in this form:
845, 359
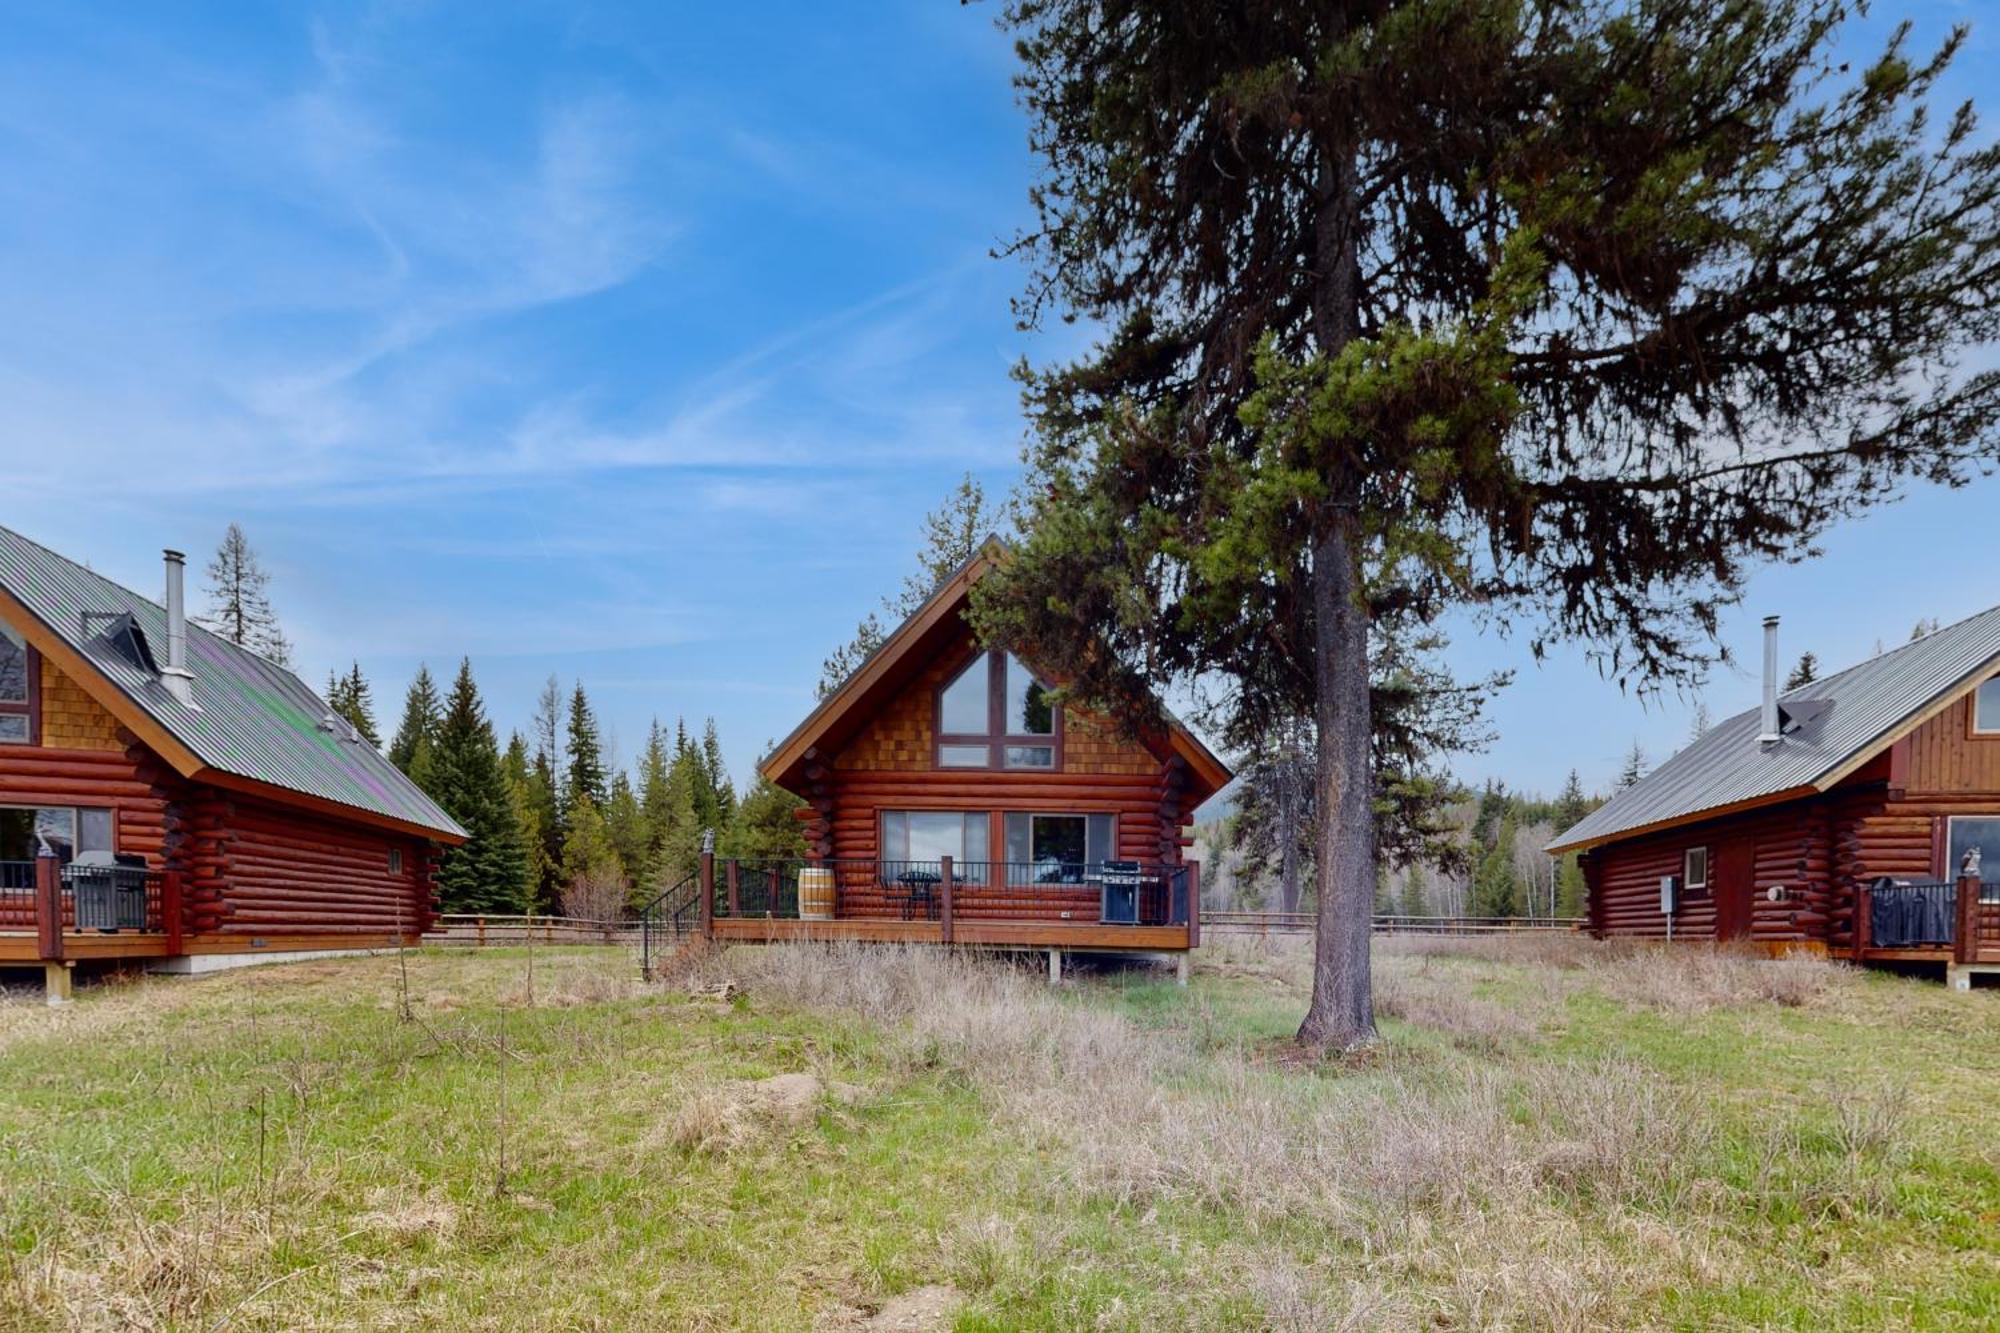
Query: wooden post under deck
1864, 917
48, 908
1194, 904
170, 911
1965, 934
944, 898
732, 882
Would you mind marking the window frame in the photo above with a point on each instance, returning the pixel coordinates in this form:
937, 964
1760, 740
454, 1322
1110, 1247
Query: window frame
31, 707
996, 740
1691, 886
1014, 867
1975, 727
76, 814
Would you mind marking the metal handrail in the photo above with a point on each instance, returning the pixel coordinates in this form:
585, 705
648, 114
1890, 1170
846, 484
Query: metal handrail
669, 914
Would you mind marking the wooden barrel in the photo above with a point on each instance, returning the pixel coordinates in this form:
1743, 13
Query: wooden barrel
816, 893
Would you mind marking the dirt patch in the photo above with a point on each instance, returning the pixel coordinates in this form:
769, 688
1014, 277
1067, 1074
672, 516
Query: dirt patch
794, 1099
923, 1310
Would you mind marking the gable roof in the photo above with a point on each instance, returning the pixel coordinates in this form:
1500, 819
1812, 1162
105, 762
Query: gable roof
913, 643
1834, 726
258, 727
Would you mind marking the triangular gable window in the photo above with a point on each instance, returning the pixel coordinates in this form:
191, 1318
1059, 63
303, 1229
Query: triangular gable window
995, 713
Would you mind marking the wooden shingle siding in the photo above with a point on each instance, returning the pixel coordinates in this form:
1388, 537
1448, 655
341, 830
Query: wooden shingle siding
71, 719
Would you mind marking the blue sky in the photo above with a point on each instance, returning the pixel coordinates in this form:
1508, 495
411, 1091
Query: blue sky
624, 343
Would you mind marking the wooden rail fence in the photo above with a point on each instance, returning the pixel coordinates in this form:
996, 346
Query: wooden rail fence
1301, 923
499, 931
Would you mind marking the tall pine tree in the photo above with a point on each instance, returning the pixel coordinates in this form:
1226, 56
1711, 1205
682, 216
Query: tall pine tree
489, 872
1568, 312
350, 697
585, 779
239, 600
416, 734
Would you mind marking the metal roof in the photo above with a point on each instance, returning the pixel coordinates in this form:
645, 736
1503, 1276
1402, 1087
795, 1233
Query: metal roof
255, 719
1847, 719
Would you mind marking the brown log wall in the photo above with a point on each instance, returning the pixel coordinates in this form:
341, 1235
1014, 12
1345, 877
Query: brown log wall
267, 870
139, 790
1793, 848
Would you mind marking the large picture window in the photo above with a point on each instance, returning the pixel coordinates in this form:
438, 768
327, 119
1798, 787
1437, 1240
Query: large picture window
1966, 832
931, 835
18, 689
1057, 848
26, 832
995, 713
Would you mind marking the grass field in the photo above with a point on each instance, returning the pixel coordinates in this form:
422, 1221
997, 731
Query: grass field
1552, 1134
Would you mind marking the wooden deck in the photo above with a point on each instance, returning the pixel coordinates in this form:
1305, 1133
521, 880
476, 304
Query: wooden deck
1016, 934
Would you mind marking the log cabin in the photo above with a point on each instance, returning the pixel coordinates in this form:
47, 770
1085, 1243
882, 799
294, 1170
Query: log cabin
1849, 817
950, 799
168, 796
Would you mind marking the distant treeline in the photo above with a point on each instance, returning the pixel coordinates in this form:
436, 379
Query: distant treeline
553, 829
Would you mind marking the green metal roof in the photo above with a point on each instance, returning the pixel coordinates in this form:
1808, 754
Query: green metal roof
253, 718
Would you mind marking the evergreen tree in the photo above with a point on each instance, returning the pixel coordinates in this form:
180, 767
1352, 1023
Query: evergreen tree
586, 757
1699, 723
1495, 889
489, 872
592, 876
1925, 628
350, 697
950, 535
416, 735
764, 826
721, 790
1635, 766
1467, 303
625, 823
1805, 673
655, 798
524, 793
1273, 831
239, 601
1572, 805
682, 822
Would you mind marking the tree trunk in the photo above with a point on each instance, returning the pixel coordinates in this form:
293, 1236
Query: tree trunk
1342, 1013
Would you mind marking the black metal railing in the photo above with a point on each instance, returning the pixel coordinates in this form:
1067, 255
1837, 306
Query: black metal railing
1131, 892
668, 919
106, 899
1907, 916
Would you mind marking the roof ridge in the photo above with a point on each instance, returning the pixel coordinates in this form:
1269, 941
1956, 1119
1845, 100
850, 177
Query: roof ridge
193, 622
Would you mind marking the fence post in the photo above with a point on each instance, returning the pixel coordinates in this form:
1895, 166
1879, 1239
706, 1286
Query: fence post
707, 888
1965, 936
1864, 919
944, 898
732, 878
170, 910
1194, 904
48, 907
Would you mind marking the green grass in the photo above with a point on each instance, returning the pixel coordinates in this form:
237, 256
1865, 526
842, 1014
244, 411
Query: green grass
279, 1148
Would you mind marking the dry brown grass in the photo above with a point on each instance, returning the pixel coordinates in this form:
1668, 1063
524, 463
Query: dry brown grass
1401, 1162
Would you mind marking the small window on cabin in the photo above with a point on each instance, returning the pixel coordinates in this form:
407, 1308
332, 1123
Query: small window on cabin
1694, 871
17, 691
395, 860
1986, 708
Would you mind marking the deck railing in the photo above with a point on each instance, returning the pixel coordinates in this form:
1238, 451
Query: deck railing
88, 898
1961, 917
1158, 895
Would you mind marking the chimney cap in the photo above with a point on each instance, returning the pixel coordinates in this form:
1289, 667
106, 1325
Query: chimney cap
1770, 621
176, 556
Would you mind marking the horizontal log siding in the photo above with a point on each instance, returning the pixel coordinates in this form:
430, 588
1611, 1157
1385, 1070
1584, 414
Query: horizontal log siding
281, 872
139, 790
890, 764
1793, 846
